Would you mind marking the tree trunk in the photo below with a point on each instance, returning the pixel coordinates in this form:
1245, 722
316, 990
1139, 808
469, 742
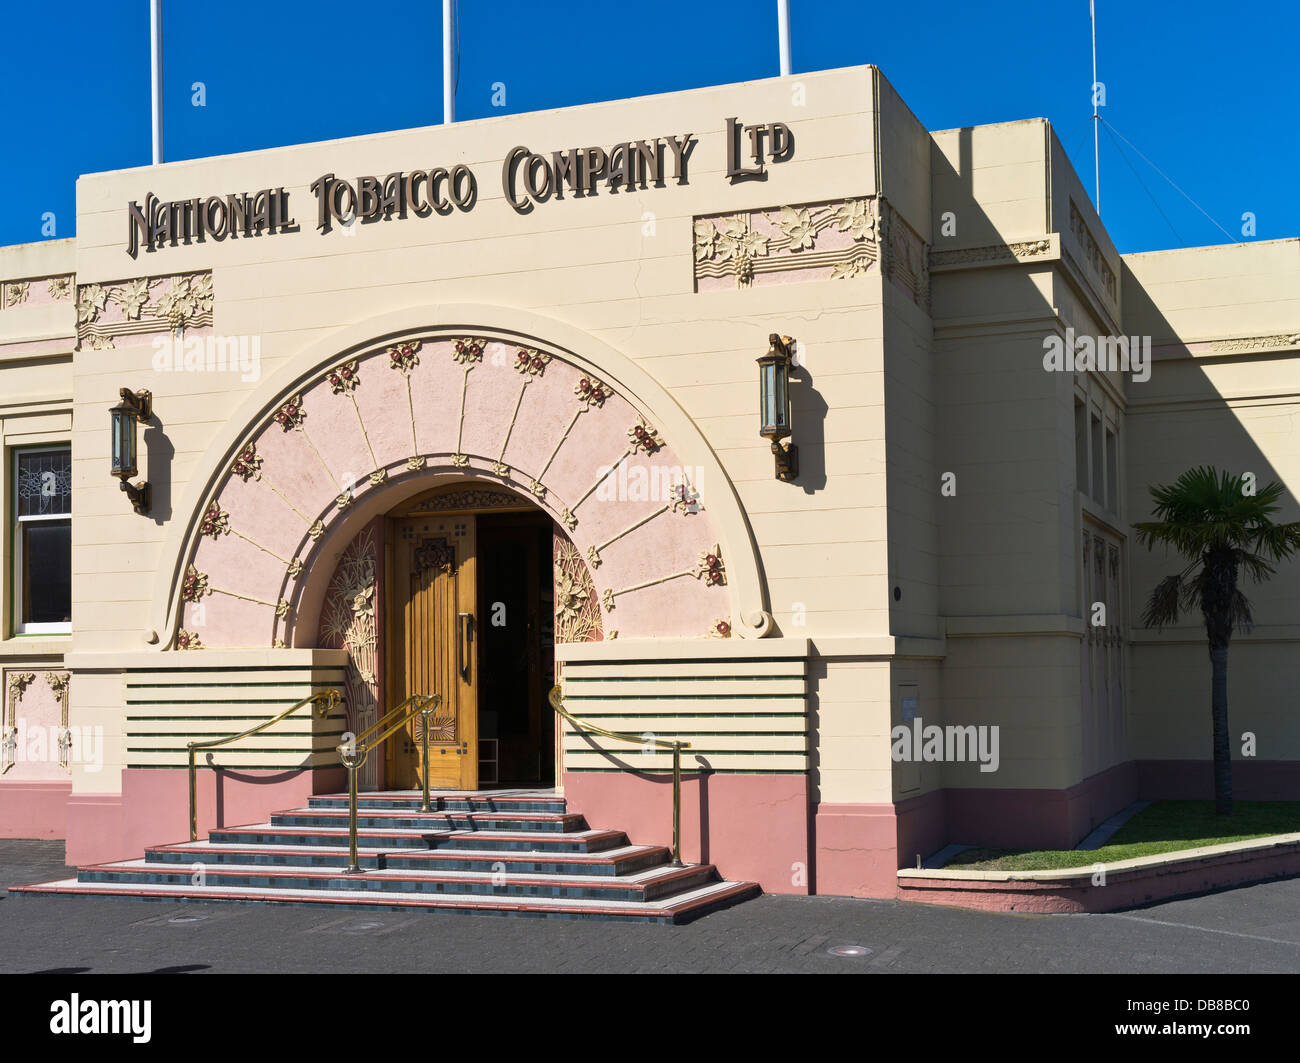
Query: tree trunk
1222, 739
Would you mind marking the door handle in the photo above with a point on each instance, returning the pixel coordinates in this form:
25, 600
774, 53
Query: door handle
464, 635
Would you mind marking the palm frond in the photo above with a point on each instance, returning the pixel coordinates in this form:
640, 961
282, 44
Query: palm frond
1242, 618
1166, 602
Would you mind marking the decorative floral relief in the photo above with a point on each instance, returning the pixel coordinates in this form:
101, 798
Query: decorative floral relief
15, 292
531, 362
591, 392
644, 437
755, 244
187, 298
316, 531
343, 379
577, 617
90, 301
568, 519
247, 464
467, 350
686, 499
131, 297
721, 628
851, 268
710, 569
60, 288
58, 684
854, 217
460, 461
215, 523
187, 640
797, 227
404, 356
186, 302
281, 608
18, 683
291, 415
194, 586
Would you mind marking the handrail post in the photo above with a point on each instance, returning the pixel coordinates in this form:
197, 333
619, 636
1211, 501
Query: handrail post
194, 805
425, 713
354, 867
677, 804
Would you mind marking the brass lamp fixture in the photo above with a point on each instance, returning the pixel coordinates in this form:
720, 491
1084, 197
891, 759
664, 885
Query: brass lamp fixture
135, 407
774, 404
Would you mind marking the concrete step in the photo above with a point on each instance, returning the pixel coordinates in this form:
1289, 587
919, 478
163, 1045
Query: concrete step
652, 884
420, 838
476, 801
678, 908
554, 822
621, 860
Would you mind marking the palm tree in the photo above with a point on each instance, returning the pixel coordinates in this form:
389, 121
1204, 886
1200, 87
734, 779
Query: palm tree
1209, 518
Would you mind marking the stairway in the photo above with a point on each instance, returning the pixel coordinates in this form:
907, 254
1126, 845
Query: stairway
504, 852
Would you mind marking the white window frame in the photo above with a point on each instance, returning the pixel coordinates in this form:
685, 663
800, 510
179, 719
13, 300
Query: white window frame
20, 627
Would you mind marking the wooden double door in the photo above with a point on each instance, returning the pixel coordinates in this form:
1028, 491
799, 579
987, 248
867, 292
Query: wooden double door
471, 619
430, 642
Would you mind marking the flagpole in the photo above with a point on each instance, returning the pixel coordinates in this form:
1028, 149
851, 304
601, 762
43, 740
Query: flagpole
783, 34
156, 58
448, 61
1096, 118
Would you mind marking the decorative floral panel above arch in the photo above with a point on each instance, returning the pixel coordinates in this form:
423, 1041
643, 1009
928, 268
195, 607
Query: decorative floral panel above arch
387, 423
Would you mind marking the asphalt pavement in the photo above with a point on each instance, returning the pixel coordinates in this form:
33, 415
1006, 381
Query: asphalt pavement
1246, 929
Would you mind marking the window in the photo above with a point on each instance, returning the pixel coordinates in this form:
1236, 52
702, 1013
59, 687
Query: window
42, 478
1112, 473
1098, 483
1080, 446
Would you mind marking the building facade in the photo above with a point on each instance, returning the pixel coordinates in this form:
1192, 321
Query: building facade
473, 409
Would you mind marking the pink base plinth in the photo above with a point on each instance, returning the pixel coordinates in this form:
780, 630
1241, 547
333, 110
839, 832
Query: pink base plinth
856, 850
752, 827
33, 809
154, 809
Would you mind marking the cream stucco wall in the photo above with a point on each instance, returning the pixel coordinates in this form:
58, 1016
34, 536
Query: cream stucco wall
927, 361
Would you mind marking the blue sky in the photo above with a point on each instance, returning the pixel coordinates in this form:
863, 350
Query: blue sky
1206, 90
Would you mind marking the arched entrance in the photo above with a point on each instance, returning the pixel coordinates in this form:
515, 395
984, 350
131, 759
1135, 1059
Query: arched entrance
370, 430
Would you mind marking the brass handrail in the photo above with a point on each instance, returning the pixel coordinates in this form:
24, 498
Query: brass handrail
676, 745
354, 754
330, 697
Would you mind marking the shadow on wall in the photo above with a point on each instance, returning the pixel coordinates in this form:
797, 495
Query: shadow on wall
809, 417
160, 454
1002, 428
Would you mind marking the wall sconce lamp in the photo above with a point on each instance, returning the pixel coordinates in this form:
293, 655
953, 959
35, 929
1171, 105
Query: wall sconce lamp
135, 407
774, 404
